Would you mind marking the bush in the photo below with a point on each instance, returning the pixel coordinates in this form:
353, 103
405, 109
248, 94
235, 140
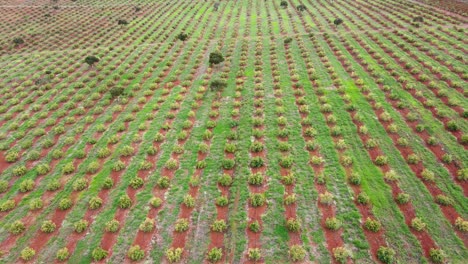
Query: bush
80, 226
256, 162
99, 254
257, 199
293, 225
62, 254
215, 255
7, 205
135, 253
437, 255
163, 182
402, 198
461, 224
65, 204
326, 198
297, 253
35, 204
333, 223
219, 225
124, 202
80, 184
27, 254
26, 185
156, 202
174, 254
147, 225
181, 225
17, 227
372, 225
417, 224
386, 255
254, 254
341, 254
48, 226
112, 226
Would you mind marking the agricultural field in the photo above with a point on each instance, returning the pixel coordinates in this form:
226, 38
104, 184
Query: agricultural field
233, 131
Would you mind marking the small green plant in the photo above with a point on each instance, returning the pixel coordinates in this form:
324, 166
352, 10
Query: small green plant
443, 200
147, 225
163, 182
341, 254
333, 223
297, 253
255, 179
124, 202
80, 184
181, 225
256, 162
99, 254
17, 227
26, 185
437, 255
65, 203
257, 199
326, 198
189, 201
219, 225
461, 224
53, 185
174, 254
225, 180
136, 182
135, 253
254, 254
372, 225
215, 255
428, 175
293, 225
112, 226
386, 255
27, 254
48, 226
402, 198
418, 224
155, 202
80, 226
95, 203
7, 205
381, 160
62, 254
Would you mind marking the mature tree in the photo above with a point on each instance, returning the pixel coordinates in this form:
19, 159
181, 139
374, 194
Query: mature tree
90, 60
418, 19
338, 21
216, 6
18, 41
122, 22
217, 85
182, 36
301, 8
284, 4
116, 91
216, 58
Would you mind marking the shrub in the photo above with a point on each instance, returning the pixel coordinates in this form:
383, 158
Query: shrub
362, 198
53, 185
443, 200
461, 224
62, 254
341, 254
163, 182
228, 164
326, 198
254, 254
297, 253
372, 225
99, 254
215, 255
437, 255
35, 204
255, 179
155, 202
333, 223
225, 180
136, 182
417, 224
256, 162
48, 226
255, 226
147, 225
26, 185
65, 203
219, 225
181, 225
222, 200
402, 198
135, 253
124, 202
7, 205
80, 184
17, 227
386, 255
174, 254
80, 226
428, 175
27, 254
381, 160
293, 225
95, 203
257, 199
